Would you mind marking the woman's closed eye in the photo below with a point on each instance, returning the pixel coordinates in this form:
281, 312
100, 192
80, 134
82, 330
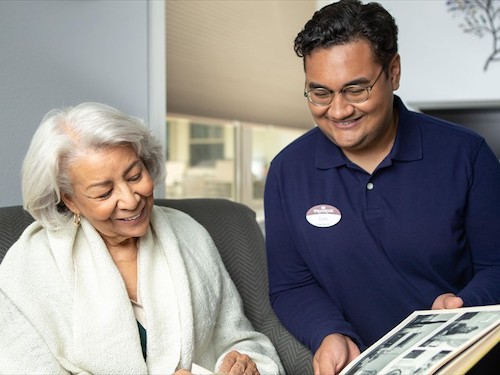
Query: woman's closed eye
136, 177
105, 195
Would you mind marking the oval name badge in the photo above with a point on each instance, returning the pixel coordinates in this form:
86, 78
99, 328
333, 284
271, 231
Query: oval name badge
323, 215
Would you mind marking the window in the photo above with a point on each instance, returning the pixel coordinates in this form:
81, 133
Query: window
210, 158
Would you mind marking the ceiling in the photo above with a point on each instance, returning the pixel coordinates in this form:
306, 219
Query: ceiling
234, 60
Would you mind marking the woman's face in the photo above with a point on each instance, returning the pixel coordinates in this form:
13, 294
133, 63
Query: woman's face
114, 192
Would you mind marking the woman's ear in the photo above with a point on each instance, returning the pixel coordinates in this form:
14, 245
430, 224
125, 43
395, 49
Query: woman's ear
68, 201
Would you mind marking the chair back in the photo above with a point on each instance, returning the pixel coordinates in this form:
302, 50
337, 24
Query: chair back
240, 242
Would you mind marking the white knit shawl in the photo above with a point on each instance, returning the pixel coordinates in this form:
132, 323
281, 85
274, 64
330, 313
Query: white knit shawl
64, 307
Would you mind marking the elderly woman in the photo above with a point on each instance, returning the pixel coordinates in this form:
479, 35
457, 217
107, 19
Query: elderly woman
104, 282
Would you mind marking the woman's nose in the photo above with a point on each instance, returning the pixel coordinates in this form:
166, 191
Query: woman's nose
128, 198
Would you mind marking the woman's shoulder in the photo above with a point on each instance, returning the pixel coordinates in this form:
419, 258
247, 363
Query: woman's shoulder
174, 216
26, 257
183, 225
35, 235
194, 241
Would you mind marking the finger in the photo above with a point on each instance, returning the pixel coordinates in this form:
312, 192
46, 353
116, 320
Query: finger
327, 367
251, 369
316, 367
237, 369
453, 302
439, 302
228, 362
240, 365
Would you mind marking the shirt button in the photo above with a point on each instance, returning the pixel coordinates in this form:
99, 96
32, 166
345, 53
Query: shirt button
369, 186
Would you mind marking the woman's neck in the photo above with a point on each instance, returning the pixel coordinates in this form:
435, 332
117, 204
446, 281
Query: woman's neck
125, 257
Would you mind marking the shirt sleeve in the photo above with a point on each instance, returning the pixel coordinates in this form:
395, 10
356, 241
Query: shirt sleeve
298, 300
482, 222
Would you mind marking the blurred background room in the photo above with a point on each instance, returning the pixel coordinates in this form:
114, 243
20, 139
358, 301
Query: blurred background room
218, 81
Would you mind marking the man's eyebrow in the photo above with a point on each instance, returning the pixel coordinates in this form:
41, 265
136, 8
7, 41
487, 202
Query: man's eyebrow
314, 85
361, 81
358, 81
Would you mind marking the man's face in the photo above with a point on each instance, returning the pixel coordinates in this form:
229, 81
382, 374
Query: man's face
357, 128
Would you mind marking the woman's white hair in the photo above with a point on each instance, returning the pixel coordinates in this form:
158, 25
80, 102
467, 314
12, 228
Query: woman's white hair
62, 135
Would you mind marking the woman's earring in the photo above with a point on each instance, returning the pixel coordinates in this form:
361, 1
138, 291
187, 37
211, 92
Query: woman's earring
76, 219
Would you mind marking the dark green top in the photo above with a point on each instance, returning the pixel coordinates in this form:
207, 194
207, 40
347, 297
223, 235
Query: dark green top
142, 333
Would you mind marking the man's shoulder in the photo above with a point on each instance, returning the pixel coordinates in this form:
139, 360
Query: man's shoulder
302, 146
439, 127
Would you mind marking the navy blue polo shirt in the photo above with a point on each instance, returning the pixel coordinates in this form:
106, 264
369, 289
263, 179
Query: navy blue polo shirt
355, 253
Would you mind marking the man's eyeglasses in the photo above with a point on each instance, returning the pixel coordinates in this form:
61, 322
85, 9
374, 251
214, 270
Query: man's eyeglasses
353, 94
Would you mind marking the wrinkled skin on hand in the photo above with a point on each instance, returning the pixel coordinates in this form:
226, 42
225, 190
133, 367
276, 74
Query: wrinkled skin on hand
235, 363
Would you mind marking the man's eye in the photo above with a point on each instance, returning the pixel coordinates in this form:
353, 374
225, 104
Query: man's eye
321, 93
358, 90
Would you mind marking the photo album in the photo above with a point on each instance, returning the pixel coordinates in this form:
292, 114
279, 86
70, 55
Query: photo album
432, 342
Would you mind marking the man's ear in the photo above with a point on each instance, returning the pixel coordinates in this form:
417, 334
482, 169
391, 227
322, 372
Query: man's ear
68, 201
395, 71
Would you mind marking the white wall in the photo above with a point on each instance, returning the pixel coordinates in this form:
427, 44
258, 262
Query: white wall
60, 53
441, 65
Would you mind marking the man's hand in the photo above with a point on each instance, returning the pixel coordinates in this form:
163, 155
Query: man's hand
235, 363
447, 301
334, 353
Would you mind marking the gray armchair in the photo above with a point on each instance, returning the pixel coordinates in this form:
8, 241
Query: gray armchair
241, 244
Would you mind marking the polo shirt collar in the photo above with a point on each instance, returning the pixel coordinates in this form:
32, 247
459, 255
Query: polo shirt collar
328, 154
408, 143
407, 146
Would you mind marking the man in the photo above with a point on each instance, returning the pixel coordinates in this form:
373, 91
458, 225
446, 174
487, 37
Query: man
378, 211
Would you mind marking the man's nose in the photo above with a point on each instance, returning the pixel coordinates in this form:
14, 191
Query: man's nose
340, 108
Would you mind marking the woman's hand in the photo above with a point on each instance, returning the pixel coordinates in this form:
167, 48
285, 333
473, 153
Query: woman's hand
334, 353
235, 363
447, 301
182, 372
